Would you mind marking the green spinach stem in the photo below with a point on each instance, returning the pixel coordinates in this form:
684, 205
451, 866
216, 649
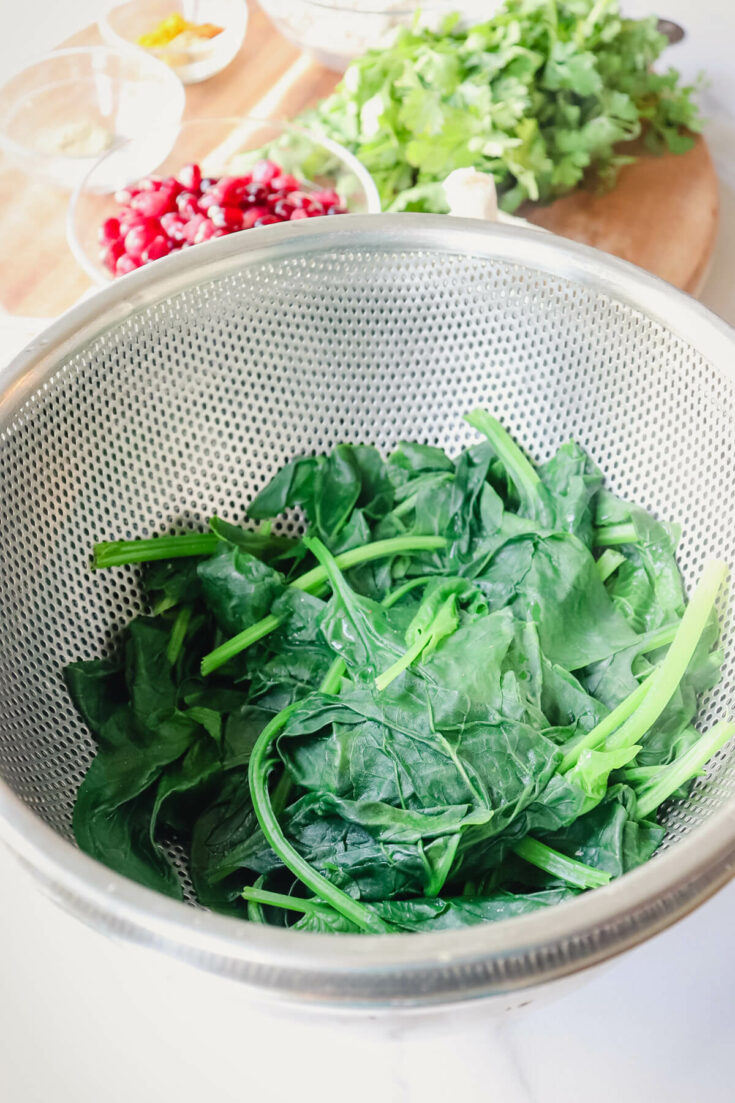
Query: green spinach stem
410, 500
227, 650
668, 674
683, 768
610, 723
395, 595
522, 473
594, 739
115, 553
258, 770
610, 535
608, 563
280, 900
178, 633
333, 678
255, 911
559, 865
311, 582
384, 680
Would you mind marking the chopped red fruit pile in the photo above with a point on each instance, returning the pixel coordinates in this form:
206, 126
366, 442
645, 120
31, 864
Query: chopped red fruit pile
161, 216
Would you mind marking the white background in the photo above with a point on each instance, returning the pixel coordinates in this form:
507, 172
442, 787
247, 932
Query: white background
84, 1020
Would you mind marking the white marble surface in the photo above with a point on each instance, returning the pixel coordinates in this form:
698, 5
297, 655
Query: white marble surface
86, 1020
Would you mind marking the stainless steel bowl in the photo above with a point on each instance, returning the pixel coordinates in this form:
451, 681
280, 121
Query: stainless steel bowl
178, 390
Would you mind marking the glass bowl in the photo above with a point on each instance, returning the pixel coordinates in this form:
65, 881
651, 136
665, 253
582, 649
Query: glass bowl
195, 61
62, 111
336, 32
222, 147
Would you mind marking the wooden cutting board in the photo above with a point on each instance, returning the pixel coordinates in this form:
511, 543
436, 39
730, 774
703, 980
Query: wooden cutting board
662, 215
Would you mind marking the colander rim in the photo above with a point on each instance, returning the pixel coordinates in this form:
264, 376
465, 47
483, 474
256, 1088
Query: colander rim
387, 970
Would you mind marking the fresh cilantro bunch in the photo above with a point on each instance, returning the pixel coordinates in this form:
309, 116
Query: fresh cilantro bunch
539, 96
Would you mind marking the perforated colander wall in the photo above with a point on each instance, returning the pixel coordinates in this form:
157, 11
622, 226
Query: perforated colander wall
189, 405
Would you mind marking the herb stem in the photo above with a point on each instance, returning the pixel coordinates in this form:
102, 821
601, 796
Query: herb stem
683, 768
384, 680
310, 582
257, 776
178, 633
227, 650
606, 727
410, 500
594, 739
115, 553
608, 563
333, 678
656, 638
521, 471
281, 792
585, 26
255, 912
552, 861
395, 595
609, 535
396, 545
667, 676
280, 900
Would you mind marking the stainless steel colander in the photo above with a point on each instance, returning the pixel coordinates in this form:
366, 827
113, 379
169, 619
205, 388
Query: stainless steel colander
177, 392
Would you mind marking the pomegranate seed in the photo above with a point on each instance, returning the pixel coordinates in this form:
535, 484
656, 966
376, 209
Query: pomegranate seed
109, 231
126, 264
172, 186
219, 187
192, 226
285, 182
283, 209
112, 254
187, 204
230, 190
140, 237
158, 248
209, 199
154, 204
159, 216
264, 171
255, 193
252, 215
173, 226
171, 191
327, 198
129, 218
190, 177
230, 218
206, 230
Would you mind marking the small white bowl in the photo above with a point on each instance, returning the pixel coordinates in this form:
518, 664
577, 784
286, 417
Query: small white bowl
125, 23
337, 31
59, 114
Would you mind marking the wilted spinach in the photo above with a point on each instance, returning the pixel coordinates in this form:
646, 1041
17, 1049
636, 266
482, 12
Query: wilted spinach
460, 697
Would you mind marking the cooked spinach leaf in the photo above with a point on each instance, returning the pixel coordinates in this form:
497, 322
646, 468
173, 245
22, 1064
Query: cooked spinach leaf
459, 697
